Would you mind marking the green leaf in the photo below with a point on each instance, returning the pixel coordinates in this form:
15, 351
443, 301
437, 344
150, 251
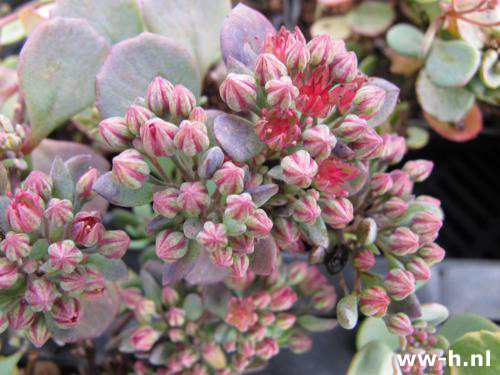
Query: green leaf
39, 249
316, 324
57, 69
472, 345
375, 358
371, 18
416, 137
121, 196
131, 66
317, 232
444, 103
63, 186
193, 305
112, 269
8, 365
374, 329
405, 39
195, 24
490, 69
337, 27
452, 63
347, 311
459, 325
4, 204
434, 313
12, 32
116, 20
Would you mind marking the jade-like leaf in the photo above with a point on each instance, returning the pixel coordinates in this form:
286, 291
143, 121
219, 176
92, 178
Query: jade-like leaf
444, 103
416, 137
205, 272
265, 257
316, 324
112, 269
120, 195
490, 71
173, 272
193, 306
57, 70
390, 101
434, 313
405, 39
465, 129
243, 34
237, 137
195, 24
12, 32
459, 325
347, 311
63, 186
337, 27
371, 18
374, 329
131, 66
116, 20
472, 347
8, 365
375, 358
317, 232
452, 63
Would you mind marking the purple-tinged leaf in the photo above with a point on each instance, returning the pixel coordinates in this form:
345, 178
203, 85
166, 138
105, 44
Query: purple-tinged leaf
410, 306
173, 272
391, 99
216, 298
205, 272
62, 180
157, 224
212, 114
243, 34
210, 162
265, 257
120, 195
112, 269
131, 66
261, 194
237, 137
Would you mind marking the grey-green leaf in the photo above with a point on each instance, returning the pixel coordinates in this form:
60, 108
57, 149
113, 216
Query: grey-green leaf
459, 325
121, 196
193, 306
63, 186
317, 232
112, 269
405, 39
375, 358
316, 324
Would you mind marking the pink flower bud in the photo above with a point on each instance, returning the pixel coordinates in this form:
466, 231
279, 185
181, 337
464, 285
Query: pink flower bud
257, 332
432, 253
368, 101
59, 212
268, 67
261, 299
73, 282
403, 241
171, 246
338, 212
145, 310
239, 207
192, 137
176, 317
306, 210
198, 114
400, 324
25, 211
38, 183
83, 188
229, 179
247, 349
115, 133
193, 198
323, 49
181, 102
286, 233
143, 338
238, 91
380, 183
351, 129
299, 169
8, 273
38, 333
297, 57
157, 137
240, 265
64, 256
368, 145
20, 316
267, 318
267, 348
114, 244
399, 284
176, 335
393, 149
345, 67
281, 92
285, 321
242, 244
394, 208
374, 302
282, 299
241, 314
240, 363
87, 229
418, 170
364, 260
169, 296
278, 128
130, 169
297, 273
16, 246
40, 295
136, 117
325, 298
401, 183
165, 203
222, 257
419, 269
259, 224
319, 141
299, 343
212, 236
158, 95
426, 224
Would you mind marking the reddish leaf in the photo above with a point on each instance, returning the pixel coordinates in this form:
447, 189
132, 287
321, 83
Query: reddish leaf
265, 256
464, 130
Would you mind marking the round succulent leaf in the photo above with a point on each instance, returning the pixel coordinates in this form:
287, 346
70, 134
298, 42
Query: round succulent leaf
371, 18
490, 69
195, 24
375, 358
473, 346
12, 32
116, 20
8, 364
434, 313
193, 306
444, 103
374, 329
416, 137
57, 69
452, 63
459, 325
405, 39
336, 26
120, 195
205, 271
390, 101
131, 66
316, 324
484, 93
463, 130
265, 259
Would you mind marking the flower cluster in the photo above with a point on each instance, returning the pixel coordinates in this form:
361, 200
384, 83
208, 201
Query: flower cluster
185, 333
51, 252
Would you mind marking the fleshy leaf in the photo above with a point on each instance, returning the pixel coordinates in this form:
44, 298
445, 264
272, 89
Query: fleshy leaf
337, 27
237, 137
390, 101
374, 329
475, 345
63, 186
463, 130
216, 298
243, 34
317, 232
8, 364
131, 66
416, 137
452, 63
173, 272
444, 103
265, 257
116, 20
57, 69
195, 24
459, 325
316, 324
120, 195
4, 204
489, 69
12, 32
193, 306
375, 358
112, 269
410, 305
371, 18
262, 193
405, 39
205, 272
434, 313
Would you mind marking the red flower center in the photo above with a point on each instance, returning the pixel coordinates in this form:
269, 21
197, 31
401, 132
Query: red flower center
333, 174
